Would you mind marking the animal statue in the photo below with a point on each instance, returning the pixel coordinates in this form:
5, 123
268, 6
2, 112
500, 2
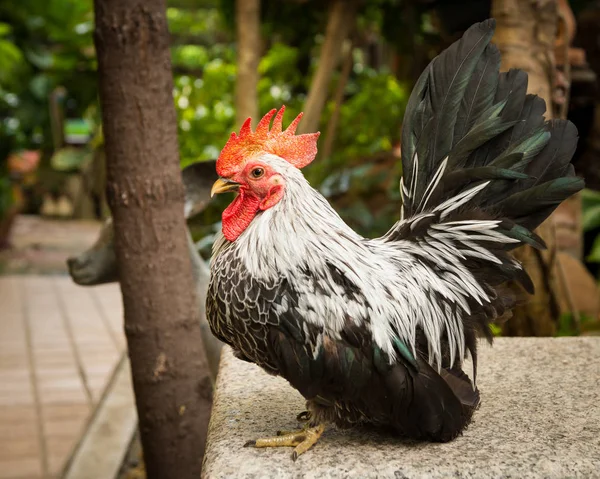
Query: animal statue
98, 265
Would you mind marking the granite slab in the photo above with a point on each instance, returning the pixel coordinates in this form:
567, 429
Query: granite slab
539, 418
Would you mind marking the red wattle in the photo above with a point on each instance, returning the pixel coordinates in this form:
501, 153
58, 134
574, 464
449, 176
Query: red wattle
238, 215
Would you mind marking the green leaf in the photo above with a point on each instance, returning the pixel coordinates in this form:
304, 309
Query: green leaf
5, 29
193, 56
68, 159
594, 256
280, 58
40, 58
591, 218
6, 196
496, 330
10, 59
589, 198
587, 194
566, 325
40, 86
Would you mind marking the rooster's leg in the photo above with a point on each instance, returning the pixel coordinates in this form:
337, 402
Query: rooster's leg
301, 440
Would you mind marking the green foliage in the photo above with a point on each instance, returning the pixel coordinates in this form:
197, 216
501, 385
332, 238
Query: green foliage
567, 325
69, 159
590, 200
10, 55
48, 44
6, 195
594, 256
205, 111
496, 330
191, 56
279, 80
369, 124
277, 66
371, 117
193, 22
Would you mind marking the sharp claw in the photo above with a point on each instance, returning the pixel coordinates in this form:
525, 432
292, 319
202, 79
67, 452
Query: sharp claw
250, 443
294, 456
303, 416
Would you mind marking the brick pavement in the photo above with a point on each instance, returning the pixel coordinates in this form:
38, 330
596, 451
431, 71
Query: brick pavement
59, 344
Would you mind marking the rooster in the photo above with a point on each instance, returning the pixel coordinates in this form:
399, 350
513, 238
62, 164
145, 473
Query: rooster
376, 330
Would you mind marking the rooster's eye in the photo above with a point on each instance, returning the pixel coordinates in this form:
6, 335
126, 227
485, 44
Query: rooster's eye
257, 172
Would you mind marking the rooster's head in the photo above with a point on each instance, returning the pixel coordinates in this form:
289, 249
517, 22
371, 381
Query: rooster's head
244, 167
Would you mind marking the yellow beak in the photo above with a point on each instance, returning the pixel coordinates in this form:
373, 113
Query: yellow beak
223, 185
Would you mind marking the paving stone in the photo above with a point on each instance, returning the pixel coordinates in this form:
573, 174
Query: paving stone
539, 418
16, 414
75, 334
59, 449
16, 448
22, 468
20, 429
71, 427
66, 412
103, 449
14, 399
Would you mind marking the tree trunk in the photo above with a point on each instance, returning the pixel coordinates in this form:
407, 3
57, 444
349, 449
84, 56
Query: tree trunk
525, 34
588, 38
567, 218
342, 18
338, 100
247, 13
170, 375
590, 161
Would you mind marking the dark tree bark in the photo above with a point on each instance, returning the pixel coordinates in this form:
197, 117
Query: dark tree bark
525, 35
145, 193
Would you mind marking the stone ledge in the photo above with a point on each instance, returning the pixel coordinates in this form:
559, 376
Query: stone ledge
104, 445
540, 417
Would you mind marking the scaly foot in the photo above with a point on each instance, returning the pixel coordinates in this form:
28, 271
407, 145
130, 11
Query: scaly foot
301, 440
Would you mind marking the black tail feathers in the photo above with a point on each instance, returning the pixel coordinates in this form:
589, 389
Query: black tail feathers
442, 404
467, 125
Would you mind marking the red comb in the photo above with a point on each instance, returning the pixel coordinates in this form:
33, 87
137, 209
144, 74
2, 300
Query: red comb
299, 150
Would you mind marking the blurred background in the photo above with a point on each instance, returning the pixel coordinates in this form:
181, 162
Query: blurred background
349, 65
